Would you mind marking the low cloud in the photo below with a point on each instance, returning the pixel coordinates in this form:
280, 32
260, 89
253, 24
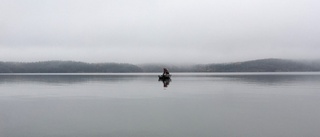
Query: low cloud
144, 31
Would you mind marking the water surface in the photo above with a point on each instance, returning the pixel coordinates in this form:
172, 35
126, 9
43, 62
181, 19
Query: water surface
138, 105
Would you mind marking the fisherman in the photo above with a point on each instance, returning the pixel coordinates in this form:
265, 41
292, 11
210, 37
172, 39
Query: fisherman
165, 72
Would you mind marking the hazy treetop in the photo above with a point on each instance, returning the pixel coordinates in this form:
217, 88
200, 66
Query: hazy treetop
140, 31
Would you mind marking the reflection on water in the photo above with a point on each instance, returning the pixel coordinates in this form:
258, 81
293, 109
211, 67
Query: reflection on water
274, 79
136, 105
268, 78
165, 82
66, 79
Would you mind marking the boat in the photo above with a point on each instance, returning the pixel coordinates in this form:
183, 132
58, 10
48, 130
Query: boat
164, 77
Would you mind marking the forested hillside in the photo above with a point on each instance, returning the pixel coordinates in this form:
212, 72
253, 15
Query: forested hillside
66, 67
263, 65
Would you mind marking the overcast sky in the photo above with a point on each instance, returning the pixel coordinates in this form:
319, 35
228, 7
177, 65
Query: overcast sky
157, 31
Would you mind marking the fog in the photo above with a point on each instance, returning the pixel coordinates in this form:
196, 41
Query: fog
159, 31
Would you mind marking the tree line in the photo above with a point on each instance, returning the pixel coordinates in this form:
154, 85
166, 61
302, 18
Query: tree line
263, 65
66, 67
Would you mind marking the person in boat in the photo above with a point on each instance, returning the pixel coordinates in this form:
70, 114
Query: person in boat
165, 72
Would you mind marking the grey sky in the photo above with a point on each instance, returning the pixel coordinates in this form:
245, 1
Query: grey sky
154, 31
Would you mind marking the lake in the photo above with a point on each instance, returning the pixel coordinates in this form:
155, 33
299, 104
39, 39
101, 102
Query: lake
138, 105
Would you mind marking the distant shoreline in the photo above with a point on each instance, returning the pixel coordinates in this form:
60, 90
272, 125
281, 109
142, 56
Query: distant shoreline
262, 65
158, 73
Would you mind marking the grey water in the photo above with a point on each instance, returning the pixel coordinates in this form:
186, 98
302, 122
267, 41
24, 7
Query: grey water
138, 105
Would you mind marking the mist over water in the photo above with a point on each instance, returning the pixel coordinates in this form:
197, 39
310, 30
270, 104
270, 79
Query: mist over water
193, 104
144, 31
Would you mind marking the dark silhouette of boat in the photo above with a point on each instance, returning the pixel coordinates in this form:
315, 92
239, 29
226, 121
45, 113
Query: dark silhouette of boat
164, 77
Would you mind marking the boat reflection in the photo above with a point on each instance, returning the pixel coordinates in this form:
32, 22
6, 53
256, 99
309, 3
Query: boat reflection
165, 82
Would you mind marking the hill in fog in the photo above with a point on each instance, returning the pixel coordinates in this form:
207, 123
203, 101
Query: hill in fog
66, 67
263, 65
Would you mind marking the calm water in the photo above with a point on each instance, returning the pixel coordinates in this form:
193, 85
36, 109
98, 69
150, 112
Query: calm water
138, 105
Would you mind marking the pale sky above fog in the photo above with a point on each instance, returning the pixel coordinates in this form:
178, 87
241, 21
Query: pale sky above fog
157, 31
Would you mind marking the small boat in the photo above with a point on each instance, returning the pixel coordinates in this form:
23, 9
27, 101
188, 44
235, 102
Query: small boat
163, 77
